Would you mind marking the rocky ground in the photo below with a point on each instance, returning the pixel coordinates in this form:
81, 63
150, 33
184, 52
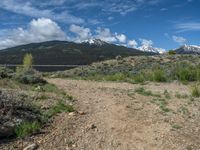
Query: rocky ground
122, 116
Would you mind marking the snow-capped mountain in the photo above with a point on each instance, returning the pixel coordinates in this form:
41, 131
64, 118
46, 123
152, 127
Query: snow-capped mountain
149, 48
188, 49
96, 42
144, 48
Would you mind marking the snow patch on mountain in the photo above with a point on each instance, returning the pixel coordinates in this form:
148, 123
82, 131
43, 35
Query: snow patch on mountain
191, 48
96, 42
149, 48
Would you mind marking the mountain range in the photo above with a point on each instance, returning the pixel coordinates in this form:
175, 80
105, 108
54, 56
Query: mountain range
188, 49
67, 53
87, 52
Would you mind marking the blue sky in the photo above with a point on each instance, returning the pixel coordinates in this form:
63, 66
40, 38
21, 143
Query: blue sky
165, 24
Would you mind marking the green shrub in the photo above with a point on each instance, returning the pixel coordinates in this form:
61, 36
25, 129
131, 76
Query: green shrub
5, 72
159, 76
27, 128
171, 52
58, 108
184, 71
139, 78
195, 91
29, 77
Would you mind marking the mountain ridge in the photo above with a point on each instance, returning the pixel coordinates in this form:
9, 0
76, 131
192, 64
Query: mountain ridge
188, 49
66, 53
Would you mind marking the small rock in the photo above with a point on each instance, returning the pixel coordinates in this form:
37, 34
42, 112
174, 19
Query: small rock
71, 114
45, 107
74, 145
81, 113
31, 147
93, 126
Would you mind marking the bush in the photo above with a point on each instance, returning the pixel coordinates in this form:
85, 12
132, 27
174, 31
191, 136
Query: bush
5, 72
16, 110
29, 77
159, 75
171, 52
195, 91
139, 78
186, 72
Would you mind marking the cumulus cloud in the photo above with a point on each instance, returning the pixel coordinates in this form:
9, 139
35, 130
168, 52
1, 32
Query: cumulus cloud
132, 43
81, 33
179, 39
44, 29
39, 30
105, 35
146, 43
121, 38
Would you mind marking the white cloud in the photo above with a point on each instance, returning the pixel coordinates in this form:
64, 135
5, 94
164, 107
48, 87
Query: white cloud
28, 9
39, 30
81, 32
163, 9
188, 26
132, 43
179, 39
145, 42
121, 38
110, 18
125, 7
105, 35
44, 29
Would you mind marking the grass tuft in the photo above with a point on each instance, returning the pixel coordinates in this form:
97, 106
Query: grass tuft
195, 91
162, 104
144, 92
27, 128
58, 108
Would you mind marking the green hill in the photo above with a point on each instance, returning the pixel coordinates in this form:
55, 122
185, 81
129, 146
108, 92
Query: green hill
66, 53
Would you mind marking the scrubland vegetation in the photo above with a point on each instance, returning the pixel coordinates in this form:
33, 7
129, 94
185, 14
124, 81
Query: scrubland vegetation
165, 68
27, 101
160, 92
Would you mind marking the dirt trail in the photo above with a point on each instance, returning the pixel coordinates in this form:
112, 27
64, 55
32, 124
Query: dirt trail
113, 116
115, 119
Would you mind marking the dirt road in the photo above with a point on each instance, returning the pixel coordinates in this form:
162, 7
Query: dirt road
116, 118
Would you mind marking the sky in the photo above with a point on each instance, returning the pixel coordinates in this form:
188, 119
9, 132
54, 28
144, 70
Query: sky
164, 24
